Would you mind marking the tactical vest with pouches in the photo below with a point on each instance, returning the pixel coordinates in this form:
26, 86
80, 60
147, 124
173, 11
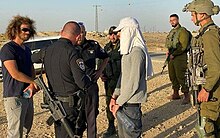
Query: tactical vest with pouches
197, 40
172, 40
114, 65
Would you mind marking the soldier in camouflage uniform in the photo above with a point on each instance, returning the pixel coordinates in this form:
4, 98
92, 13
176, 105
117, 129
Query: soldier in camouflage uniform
209, 40
111, 75
177, 42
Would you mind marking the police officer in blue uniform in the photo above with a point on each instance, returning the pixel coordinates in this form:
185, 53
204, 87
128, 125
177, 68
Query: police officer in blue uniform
65, 71
90, 51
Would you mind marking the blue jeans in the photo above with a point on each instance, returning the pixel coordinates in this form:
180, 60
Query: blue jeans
129, 121
20, 112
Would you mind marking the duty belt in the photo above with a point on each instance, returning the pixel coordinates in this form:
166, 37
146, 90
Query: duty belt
69, 99
132, 104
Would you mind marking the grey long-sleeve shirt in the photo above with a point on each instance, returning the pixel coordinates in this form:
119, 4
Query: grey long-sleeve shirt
131, 87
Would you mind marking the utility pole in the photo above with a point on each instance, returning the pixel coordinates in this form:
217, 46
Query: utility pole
96, 18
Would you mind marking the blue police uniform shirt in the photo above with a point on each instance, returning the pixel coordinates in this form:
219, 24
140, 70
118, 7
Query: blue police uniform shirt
89, 51
12, 51
65, 69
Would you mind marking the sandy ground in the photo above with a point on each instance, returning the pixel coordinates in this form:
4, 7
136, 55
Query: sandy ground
162, 118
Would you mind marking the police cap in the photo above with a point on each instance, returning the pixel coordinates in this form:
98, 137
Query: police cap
111, 30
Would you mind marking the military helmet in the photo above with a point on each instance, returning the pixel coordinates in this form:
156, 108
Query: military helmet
111, 29
202, 6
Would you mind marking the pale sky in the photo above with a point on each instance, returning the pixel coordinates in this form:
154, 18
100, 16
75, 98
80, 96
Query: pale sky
50, 15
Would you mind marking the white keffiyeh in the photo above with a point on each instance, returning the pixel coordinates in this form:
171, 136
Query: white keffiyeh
131, 36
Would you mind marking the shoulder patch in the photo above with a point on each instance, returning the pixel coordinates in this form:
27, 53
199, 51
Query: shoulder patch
81, 64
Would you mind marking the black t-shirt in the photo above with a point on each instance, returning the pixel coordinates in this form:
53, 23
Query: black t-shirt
65, 69
89, 51
12, 51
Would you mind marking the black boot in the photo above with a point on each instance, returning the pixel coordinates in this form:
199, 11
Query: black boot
111, 130
174, 96
186, 99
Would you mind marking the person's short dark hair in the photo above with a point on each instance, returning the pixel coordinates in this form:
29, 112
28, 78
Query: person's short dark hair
74, 30
174, 15
14, 26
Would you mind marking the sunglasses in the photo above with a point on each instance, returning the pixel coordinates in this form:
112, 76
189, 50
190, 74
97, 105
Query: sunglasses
25, 29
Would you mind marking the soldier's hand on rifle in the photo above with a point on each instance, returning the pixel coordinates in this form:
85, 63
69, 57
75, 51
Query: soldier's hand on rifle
203, 96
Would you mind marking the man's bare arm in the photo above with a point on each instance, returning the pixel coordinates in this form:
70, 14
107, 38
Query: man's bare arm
12, 68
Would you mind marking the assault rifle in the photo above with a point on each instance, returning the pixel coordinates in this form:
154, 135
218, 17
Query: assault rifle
165, 63
167, 59
55, 107
195, 77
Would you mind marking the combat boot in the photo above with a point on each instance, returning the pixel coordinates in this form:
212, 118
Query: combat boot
110, 131
174, 96
186, 99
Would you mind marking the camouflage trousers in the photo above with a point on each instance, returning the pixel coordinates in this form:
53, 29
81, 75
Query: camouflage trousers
177, 68
211, 111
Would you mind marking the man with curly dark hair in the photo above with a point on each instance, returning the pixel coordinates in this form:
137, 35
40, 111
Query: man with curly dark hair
18, 73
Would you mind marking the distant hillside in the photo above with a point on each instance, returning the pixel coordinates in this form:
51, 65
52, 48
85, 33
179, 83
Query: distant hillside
155, 41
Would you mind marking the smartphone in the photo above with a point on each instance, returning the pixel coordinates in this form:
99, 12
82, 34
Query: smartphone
26, 94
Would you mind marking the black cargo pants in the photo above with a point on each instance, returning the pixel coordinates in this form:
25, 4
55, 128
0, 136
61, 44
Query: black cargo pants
60, 131
91, 109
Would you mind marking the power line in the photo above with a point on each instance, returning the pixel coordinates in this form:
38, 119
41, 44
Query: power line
96, 17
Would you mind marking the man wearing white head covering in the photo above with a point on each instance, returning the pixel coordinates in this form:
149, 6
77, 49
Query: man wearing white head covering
131, 89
